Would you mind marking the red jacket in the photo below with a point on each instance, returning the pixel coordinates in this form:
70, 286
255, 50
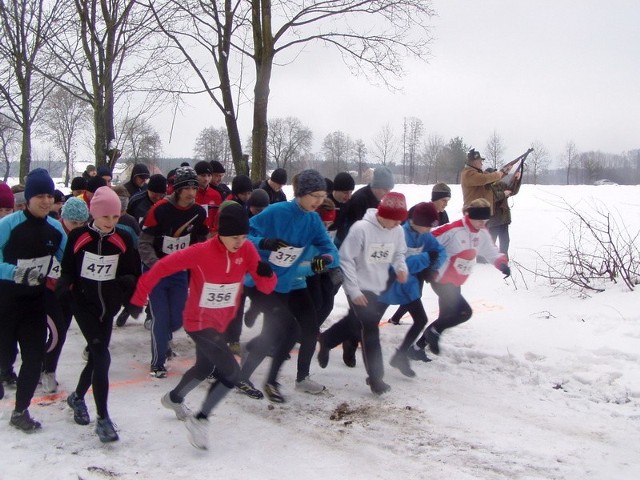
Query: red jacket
215, 271
210, 199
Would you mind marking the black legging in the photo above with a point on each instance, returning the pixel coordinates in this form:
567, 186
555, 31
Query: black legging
403, 309
212, 353
95, 374
419, 316
454, 309
60, 314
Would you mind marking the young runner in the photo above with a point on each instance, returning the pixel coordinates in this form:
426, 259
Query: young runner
217, 268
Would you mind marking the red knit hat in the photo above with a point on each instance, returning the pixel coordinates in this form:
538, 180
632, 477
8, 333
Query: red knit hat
393, 206
424, 214
7, 199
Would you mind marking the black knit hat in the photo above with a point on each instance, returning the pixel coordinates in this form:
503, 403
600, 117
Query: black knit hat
258, 199
310, 181
104, 172
241, 184
232, 220
140, 170
202, 168
440, 190
157, 183
343, 182
216, 167
185, 177
94, 183
279, 176
79, 183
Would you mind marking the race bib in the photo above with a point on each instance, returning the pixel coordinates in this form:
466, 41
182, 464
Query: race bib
380, 252
99, 267
413, 251
171, 244
464, 266
40, 263
55, 269
219, 295
285, 257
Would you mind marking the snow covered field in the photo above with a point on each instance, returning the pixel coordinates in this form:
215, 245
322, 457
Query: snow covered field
539, 384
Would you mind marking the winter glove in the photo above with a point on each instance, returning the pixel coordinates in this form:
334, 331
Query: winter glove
504, 268
320, 262
264, 269
273, 244
337, 277
428, 275
134, 310
30, 276
63, 288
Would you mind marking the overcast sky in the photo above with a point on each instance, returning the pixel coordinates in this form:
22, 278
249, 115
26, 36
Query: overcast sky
551, 71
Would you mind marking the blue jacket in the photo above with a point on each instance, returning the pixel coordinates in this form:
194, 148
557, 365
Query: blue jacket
298, 228
419, 246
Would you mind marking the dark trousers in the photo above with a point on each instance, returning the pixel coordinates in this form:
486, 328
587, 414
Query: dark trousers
95, 374
234, 330
419, 316
501, 233
288, 317
323, 292
23, 321
60, 316
361, 323
404, 309
454, 309
212, 353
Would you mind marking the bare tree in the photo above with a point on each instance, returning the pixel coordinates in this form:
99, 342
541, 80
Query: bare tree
337, 149
213, 144
495, 150
64, 115
411, 138
288, 140
8, 143
538, 162
25, 27
590, 164
386, 146
569, 159
431, 157
140, 141
360, 156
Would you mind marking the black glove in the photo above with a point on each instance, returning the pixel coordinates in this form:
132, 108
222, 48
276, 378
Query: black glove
264, 269
433, 256
273, 244
428, 275
320, 262
30, 276
63, 288
337, 277
134, 310
504, 268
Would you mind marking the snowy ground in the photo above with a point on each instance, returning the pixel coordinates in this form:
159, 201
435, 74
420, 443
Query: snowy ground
539, 384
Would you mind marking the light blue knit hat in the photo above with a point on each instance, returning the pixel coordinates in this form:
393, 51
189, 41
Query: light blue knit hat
75, 210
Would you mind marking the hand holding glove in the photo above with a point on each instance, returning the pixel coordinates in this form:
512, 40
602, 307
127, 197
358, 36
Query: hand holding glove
273, 244
504, 268
320, 262
264, 269
30, 276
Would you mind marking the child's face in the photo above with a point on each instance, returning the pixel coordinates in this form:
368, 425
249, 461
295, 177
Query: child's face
312, 201
233, 243
420, 229
478, 224
72, 224
441, 204
388, 223
5, 211
106, 223
40, 205
186, 196
244, 196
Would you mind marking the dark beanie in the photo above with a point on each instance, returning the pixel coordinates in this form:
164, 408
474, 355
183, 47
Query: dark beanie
232, 220
216, 167
104, 172
140, 169
440, 190
79, 183
310, 181
424, 214
38, 183
279, 176
58, 196
94, 183
343, 182
259, 199
157, 183
202, 168
241, 184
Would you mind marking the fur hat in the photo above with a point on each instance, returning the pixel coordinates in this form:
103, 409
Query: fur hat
7, 200
424, 214
279, 176
310, 181
343, 182
382, 178
241, 184
38, 183
75, 210
104, 202
185, 177
473, 155
232, 220
393, 206
157, 183
440, 190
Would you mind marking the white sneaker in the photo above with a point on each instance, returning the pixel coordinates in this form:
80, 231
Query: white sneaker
198, 432
180, 409
49, 383
309, 386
